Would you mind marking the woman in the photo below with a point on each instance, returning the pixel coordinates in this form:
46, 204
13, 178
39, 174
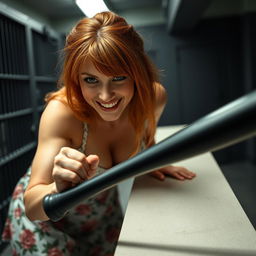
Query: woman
105, 112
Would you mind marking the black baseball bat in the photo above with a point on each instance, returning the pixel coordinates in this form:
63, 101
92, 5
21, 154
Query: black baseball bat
228, 125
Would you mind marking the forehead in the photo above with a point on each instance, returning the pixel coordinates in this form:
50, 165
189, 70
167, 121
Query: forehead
88, 67
94, 67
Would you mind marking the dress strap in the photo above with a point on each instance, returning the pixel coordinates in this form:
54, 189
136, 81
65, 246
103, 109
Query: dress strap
85, 134
143, 145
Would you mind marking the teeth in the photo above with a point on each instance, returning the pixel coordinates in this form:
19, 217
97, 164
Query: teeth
111, 105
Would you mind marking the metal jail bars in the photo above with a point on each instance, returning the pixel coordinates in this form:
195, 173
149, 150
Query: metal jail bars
28, 59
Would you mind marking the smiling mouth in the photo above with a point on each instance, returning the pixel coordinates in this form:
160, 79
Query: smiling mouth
109, 106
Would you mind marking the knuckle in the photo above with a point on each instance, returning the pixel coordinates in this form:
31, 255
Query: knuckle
74, 177
79, 165
81, 157
55, 173
57, 159
63, 150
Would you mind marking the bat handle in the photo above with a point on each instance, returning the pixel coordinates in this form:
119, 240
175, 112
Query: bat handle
55, 211
226, 126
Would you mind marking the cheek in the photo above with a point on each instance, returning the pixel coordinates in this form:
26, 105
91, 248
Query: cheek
88, 95
130, 92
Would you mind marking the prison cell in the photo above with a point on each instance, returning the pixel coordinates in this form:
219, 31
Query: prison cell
28, 60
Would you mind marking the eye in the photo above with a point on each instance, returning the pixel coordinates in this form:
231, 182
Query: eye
119, 78
90, 80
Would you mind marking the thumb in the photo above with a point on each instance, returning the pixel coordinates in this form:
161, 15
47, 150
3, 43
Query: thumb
93, 161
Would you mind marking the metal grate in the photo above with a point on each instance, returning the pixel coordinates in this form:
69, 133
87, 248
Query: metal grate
28, 60
45, 54
13, 53
15, 133
14, 95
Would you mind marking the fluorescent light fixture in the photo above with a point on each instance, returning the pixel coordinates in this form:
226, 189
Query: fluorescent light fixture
91, 7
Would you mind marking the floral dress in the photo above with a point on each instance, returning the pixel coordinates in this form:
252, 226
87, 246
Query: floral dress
91, 228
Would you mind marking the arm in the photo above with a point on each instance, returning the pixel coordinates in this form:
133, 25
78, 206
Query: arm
177, 172
56, 165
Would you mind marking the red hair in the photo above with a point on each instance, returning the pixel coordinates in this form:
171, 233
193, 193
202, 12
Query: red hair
114, 47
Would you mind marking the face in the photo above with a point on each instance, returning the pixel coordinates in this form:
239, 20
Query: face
108, 95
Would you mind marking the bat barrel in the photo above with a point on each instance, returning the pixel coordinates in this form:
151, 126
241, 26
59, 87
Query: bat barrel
228, 125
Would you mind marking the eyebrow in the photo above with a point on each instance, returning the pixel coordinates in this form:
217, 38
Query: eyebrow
88, 74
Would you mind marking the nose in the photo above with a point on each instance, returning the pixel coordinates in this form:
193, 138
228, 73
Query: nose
106, 93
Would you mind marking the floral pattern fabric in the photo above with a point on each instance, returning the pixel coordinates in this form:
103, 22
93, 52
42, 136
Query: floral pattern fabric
91, 228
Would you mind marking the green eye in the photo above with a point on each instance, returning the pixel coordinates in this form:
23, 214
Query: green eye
90, 80
119, 78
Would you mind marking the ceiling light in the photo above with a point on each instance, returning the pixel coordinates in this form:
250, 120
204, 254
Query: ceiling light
91, 7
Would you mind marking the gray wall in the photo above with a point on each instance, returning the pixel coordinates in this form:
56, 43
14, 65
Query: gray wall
205, 69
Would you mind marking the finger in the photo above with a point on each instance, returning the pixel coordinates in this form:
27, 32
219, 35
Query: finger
90, 165
174, 172
159, 175
182, 174
78, 156
185, 171
73, 154
70, 164
188, 174
93, 162
178, 176
64, 175
178, 171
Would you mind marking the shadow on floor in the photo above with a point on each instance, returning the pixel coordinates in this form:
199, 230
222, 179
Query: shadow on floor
242, 178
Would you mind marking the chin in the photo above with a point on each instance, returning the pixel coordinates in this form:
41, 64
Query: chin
109, 119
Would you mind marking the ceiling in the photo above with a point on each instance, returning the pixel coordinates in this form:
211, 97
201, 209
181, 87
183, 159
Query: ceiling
56, 9
64, 9
61, 15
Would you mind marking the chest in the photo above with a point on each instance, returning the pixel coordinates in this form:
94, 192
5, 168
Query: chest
112, 145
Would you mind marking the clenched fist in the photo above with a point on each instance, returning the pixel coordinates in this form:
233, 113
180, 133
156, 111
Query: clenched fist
72, 167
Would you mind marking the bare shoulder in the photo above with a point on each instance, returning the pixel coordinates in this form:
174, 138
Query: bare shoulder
58, 121
161, 95
161, 99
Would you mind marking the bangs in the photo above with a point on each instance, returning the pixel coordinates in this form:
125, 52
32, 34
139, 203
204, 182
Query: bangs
110, 59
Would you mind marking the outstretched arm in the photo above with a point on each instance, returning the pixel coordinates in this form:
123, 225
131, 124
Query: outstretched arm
57, 164
176, 172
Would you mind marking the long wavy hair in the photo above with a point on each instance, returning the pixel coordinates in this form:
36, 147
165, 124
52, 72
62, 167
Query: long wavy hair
114, 47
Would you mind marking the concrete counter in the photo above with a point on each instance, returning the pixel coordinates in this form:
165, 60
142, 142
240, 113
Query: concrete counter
198, 217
